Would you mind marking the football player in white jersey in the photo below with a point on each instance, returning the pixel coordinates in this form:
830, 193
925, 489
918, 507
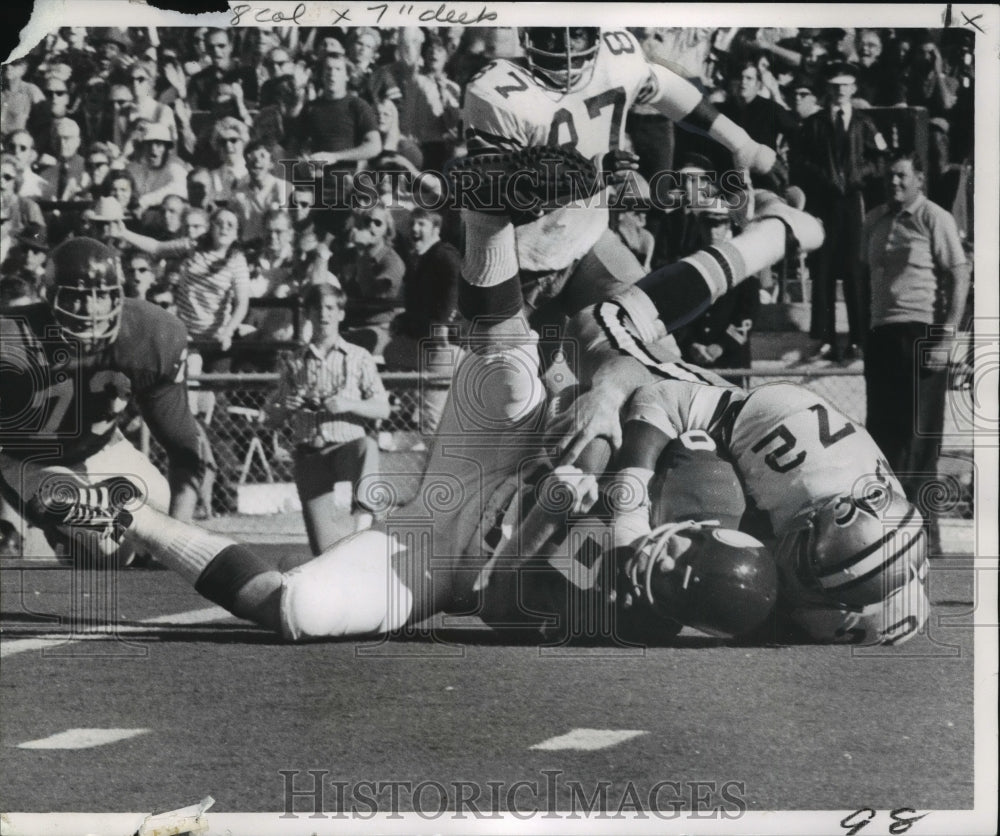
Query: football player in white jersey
575, 88
492, 444
851, 550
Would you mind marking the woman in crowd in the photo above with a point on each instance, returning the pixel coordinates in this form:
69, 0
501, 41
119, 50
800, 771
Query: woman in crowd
213, 293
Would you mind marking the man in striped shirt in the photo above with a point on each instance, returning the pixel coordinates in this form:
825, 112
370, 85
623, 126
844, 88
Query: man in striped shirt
328, 392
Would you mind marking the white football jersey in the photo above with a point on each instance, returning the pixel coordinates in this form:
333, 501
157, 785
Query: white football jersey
507, 109
790, 446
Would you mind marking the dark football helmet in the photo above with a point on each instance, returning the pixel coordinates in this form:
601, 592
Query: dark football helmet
87, 292
561, 58
856, 550
717, 580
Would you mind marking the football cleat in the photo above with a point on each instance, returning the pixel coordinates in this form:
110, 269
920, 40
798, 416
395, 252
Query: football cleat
717, 580
562, 58
61, 501
87, 293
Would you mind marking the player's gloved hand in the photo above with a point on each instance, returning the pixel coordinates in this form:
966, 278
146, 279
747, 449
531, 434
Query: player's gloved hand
62, 501
759, 158
617, 165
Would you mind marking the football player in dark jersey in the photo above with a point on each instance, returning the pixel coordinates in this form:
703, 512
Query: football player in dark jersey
68, 368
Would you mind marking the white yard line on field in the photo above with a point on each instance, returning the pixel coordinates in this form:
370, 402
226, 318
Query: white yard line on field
11, 647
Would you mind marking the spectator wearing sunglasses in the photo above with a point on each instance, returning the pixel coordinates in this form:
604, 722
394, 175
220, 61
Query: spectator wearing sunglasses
229, 140
375, 292
142, 81
15, 212
56, 105
21, 145
98, 161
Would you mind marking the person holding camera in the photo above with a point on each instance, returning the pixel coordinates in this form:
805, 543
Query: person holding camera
328, 392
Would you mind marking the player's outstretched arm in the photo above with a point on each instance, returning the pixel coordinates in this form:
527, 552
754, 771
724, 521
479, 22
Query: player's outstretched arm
679, 100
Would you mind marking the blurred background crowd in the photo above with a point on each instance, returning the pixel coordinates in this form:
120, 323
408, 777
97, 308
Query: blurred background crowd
221, 163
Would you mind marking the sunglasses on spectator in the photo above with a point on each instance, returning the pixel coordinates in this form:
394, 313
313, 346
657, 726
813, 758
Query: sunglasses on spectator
51, 94
801, 94
378, 223
279, 62
97, 163
121, 102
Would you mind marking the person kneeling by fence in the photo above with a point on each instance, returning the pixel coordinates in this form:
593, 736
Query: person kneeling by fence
328, 391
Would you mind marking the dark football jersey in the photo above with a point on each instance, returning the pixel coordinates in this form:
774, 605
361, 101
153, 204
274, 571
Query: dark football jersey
63, 406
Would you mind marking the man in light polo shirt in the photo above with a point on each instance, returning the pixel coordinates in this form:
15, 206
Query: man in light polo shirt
917, 278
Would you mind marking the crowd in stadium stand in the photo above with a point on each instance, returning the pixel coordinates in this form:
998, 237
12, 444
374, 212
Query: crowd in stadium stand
221, 163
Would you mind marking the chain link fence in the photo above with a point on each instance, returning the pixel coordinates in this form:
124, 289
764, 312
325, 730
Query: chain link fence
253, 464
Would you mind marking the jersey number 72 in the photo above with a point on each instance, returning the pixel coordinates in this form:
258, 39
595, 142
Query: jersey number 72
783, 457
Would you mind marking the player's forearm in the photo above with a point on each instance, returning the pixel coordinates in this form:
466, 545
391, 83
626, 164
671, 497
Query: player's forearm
682, 102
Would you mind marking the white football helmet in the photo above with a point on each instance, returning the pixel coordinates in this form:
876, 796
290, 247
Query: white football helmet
855, 550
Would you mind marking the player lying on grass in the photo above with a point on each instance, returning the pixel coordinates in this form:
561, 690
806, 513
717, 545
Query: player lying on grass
851, 549
491, 446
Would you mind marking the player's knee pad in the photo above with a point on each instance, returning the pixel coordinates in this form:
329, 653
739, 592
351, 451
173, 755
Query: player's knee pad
352, 589
498, 385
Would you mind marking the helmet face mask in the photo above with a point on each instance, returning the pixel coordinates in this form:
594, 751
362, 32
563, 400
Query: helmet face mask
561, 58
720, 581
87, 293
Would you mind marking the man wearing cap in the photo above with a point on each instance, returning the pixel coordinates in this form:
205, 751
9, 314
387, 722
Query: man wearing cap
157, 173
29, 255
100, 219
805, 102
837, 151
113, 46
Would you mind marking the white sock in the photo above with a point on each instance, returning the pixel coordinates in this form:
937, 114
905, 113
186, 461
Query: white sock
180, 546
